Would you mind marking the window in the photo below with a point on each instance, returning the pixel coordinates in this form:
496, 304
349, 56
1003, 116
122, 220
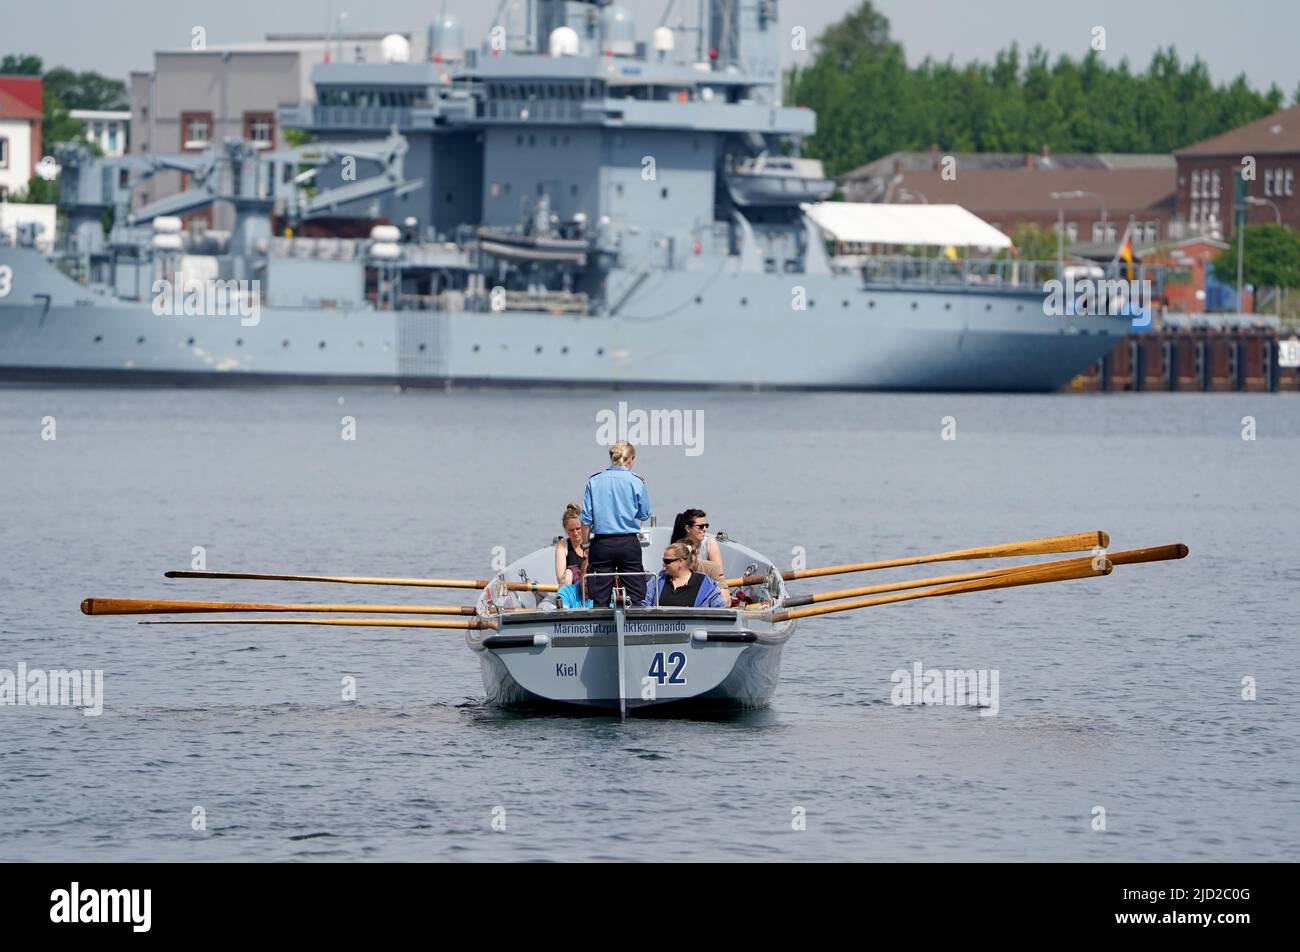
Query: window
4, 152
1151, 232
112, 137
1196, 185
259, 129
1098, 232
196, 130
1268, 181
1071, 231
4, 192
1289, 186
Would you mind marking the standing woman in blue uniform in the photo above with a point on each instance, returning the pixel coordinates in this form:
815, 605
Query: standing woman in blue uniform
614, 505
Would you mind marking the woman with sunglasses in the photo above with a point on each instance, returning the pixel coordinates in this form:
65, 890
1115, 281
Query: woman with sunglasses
693, 524
679, 587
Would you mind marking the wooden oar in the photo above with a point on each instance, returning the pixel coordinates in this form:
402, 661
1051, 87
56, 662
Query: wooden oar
1157, 553
458, 623
1073, 542
367, 580
1025, 575
163, 606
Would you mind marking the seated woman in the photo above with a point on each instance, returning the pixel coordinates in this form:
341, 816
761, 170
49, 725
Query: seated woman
693, 524
711, 569
570, 555
679, 587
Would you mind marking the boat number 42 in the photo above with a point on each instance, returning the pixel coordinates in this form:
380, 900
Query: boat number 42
659, 671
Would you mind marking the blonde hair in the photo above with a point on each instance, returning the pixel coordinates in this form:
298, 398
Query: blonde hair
622, 453
679, 550
571, 511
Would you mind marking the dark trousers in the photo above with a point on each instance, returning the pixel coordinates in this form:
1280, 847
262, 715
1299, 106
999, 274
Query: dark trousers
615, 553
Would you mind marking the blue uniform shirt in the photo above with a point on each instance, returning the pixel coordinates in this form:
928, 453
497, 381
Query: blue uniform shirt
614, 502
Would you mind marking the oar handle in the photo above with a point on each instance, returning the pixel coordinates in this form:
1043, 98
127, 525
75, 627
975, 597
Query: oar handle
368, 580
163, 606
1027, 575
1070, 542
460, 624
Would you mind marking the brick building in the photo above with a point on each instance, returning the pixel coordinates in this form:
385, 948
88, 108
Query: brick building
1206, 172
1098, 195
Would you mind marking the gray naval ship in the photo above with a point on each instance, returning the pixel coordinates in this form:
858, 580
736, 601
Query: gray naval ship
569, 205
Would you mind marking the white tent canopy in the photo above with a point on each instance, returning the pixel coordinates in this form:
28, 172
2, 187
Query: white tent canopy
877, 224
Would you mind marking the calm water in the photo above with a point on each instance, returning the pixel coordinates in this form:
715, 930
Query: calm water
1121, 692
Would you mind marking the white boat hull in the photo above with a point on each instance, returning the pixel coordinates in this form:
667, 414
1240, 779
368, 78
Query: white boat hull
673, 660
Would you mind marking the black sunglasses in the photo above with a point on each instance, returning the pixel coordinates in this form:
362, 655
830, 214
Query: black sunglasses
671, 561
699, 525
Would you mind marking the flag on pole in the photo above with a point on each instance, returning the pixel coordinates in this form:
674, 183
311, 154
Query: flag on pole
1126, 254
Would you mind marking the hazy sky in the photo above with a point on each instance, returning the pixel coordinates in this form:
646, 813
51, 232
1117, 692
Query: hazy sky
1256, 37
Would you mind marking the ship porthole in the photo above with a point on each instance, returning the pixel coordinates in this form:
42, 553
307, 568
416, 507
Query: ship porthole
845, 304
564, 350
239, 342
988, 307
698, 299
189, 342
284, 344
475, 348
422, 346
947, 305
744, 302
871, 304
1020, 307
139, 340
322, 345
99, 338
600, 351
915, 305
537, 349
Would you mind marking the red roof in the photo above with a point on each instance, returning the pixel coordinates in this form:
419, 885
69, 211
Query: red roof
1279, 132
28, 90
11, 107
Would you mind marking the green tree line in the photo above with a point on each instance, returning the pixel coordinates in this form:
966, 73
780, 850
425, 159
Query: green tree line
64, 89
870, 103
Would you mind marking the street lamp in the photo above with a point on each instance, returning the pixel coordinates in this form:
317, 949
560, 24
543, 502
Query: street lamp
1077, 193
1255, 200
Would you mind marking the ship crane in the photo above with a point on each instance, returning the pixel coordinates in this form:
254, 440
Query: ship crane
254, 182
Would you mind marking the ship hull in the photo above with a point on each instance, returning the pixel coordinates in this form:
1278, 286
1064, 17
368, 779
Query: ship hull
684, 329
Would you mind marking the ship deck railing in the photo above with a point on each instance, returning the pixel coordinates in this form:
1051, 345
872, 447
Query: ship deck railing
546, 302
983, 274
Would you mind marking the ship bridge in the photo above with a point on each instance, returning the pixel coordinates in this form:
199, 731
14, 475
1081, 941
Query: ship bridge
630, 137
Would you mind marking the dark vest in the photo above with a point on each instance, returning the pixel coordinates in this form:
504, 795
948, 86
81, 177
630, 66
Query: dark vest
683, 597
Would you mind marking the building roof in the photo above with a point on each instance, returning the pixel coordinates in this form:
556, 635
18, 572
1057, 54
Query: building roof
1279, 132
875, 224
988, 161
122, 115
11, 107
28, 90
1030, 190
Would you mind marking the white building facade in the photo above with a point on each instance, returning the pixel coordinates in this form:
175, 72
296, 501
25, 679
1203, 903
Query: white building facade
105, 128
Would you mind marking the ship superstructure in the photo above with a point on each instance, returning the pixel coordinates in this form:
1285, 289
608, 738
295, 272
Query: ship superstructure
564, 204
